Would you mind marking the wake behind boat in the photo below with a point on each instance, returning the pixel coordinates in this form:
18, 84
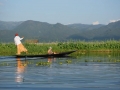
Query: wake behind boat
62, 54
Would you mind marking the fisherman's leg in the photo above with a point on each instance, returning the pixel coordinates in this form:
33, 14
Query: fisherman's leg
22, 48
18, 50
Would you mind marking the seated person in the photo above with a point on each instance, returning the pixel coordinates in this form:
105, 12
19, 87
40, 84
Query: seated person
50, 51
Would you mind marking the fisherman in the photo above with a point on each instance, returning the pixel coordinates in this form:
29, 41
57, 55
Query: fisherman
50, 51
20, 47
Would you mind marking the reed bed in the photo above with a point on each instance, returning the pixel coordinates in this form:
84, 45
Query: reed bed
81, 46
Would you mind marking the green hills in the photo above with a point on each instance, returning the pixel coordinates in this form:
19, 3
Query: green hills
46, 32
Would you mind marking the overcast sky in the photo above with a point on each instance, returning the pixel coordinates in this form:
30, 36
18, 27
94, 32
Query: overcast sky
61, 11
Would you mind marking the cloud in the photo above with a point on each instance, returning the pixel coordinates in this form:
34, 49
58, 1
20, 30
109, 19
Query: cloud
114, 20
95, 23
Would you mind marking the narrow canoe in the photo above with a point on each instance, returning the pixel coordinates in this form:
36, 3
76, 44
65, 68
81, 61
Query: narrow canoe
62, 54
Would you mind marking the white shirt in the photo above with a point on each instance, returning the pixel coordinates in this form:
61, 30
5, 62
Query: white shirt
17, 40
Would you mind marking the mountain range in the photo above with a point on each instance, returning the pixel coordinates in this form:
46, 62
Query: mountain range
45, 32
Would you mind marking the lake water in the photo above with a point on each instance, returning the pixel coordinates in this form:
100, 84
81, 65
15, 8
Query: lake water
98, 71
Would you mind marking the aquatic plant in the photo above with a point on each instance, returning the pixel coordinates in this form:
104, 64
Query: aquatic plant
41, 63
82, 47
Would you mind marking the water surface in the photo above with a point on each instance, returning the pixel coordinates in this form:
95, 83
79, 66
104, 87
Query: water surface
86, 72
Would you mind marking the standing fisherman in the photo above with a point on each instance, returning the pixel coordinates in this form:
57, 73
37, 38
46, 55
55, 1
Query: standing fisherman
20, 47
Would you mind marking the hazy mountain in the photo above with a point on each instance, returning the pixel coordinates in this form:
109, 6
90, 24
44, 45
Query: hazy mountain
110, 31
6, 35
8, 25
58, 32
84, 27
42, 31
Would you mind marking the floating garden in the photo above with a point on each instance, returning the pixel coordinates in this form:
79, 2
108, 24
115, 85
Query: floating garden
7, 49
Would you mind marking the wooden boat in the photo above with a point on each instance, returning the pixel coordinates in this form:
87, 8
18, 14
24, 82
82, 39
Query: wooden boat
62, 54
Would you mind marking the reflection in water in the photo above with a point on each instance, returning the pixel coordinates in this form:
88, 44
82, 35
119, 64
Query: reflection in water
20, 70
51, 59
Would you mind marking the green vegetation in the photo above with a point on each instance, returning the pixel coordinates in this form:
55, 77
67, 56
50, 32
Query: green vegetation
110, 45
81, 46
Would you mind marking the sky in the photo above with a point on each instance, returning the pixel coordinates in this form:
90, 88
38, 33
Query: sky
61, 11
